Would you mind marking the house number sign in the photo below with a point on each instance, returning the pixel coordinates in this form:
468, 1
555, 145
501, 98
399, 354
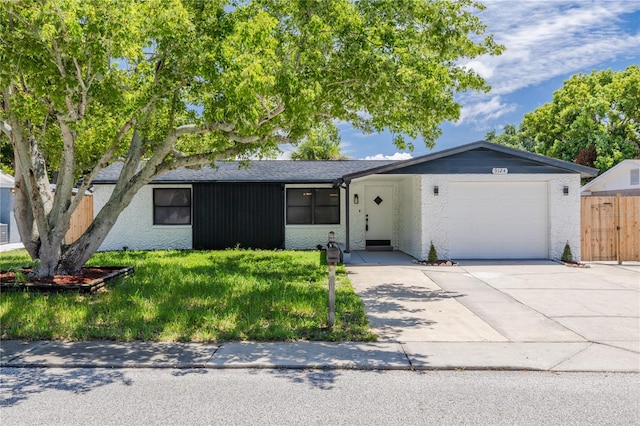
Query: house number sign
500, 171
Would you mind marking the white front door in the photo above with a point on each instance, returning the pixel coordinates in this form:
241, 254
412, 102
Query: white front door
378, 215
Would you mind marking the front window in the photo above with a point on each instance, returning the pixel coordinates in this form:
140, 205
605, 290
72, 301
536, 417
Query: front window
317, 206
172, 206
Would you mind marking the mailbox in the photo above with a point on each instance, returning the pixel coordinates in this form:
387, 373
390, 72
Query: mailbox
333, 252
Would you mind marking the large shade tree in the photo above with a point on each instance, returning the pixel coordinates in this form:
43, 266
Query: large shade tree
593, 119
161, 84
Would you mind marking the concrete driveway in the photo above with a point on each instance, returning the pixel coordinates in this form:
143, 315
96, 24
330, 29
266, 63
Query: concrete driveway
539, 302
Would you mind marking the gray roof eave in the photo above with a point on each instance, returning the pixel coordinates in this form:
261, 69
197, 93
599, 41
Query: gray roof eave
191, 181
565, 165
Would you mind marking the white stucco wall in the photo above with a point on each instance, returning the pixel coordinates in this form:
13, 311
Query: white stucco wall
356, 217
305, 237
135, 229
419, 217
563, 219
564, 216
435, 216
410, 208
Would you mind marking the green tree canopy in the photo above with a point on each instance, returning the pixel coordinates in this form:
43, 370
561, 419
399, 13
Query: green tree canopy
159, 84
321, 143
593, 119
512, 137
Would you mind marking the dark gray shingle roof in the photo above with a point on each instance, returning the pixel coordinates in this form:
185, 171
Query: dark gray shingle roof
287, 171
284, 171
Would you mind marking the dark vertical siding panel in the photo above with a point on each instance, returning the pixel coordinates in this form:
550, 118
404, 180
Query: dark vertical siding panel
249, 215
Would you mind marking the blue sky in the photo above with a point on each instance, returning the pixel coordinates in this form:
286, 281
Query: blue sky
547, 41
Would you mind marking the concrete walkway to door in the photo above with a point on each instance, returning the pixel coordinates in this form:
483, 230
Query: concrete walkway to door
481, 311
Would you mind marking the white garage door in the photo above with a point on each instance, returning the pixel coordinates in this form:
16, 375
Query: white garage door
498, 220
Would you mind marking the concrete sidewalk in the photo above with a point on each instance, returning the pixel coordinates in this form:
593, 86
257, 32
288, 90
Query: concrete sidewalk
585, 356
11, 247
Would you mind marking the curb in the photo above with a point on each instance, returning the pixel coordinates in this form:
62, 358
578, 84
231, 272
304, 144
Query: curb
382, 356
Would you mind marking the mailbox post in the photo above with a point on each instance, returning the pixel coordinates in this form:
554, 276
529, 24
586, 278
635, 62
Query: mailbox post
333, 257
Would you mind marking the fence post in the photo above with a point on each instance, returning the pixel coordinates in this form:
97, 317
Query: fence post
617, 226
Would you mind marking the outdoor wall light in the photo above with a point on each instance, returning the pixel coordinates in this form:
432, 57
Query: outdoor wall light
356, 200
565, 190
436, 190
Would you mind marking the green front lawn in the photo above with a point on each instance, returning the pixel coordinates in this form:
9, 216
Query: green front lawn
200, 296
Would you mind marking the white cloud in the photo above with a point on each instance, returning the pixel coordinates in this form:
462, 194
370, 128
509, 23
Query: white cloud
544, 40
484, 110
484, 69
362, 135
285, 152
396, 156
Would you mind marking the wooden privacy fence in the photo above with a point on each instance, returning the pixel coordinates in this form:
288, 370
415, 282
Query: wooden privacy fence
80, 219
610, 228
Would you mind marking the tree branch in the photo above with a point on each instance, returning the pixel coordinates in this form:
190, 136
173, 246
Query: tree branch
279, 109
132, 160
195, 160
6, 128
225, 128
60, 213
30, 164
58, 59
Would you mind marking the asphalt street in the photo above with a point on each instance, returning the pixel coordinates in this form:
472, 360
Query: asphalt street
200, 396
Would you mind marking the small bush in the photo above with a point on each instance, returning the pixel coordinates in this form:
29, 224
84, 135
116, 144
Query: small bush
433, 254
567, 256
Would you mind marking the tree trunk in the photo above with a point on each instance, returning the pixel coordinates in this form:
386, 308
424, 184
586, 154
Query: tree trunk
77, 254
42, 244
24, 216
80, 251
49, 256
42, 218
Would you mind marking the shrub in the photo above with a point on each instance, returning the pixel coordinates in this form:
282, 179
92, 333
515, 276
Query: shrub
433, 254
567, 256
